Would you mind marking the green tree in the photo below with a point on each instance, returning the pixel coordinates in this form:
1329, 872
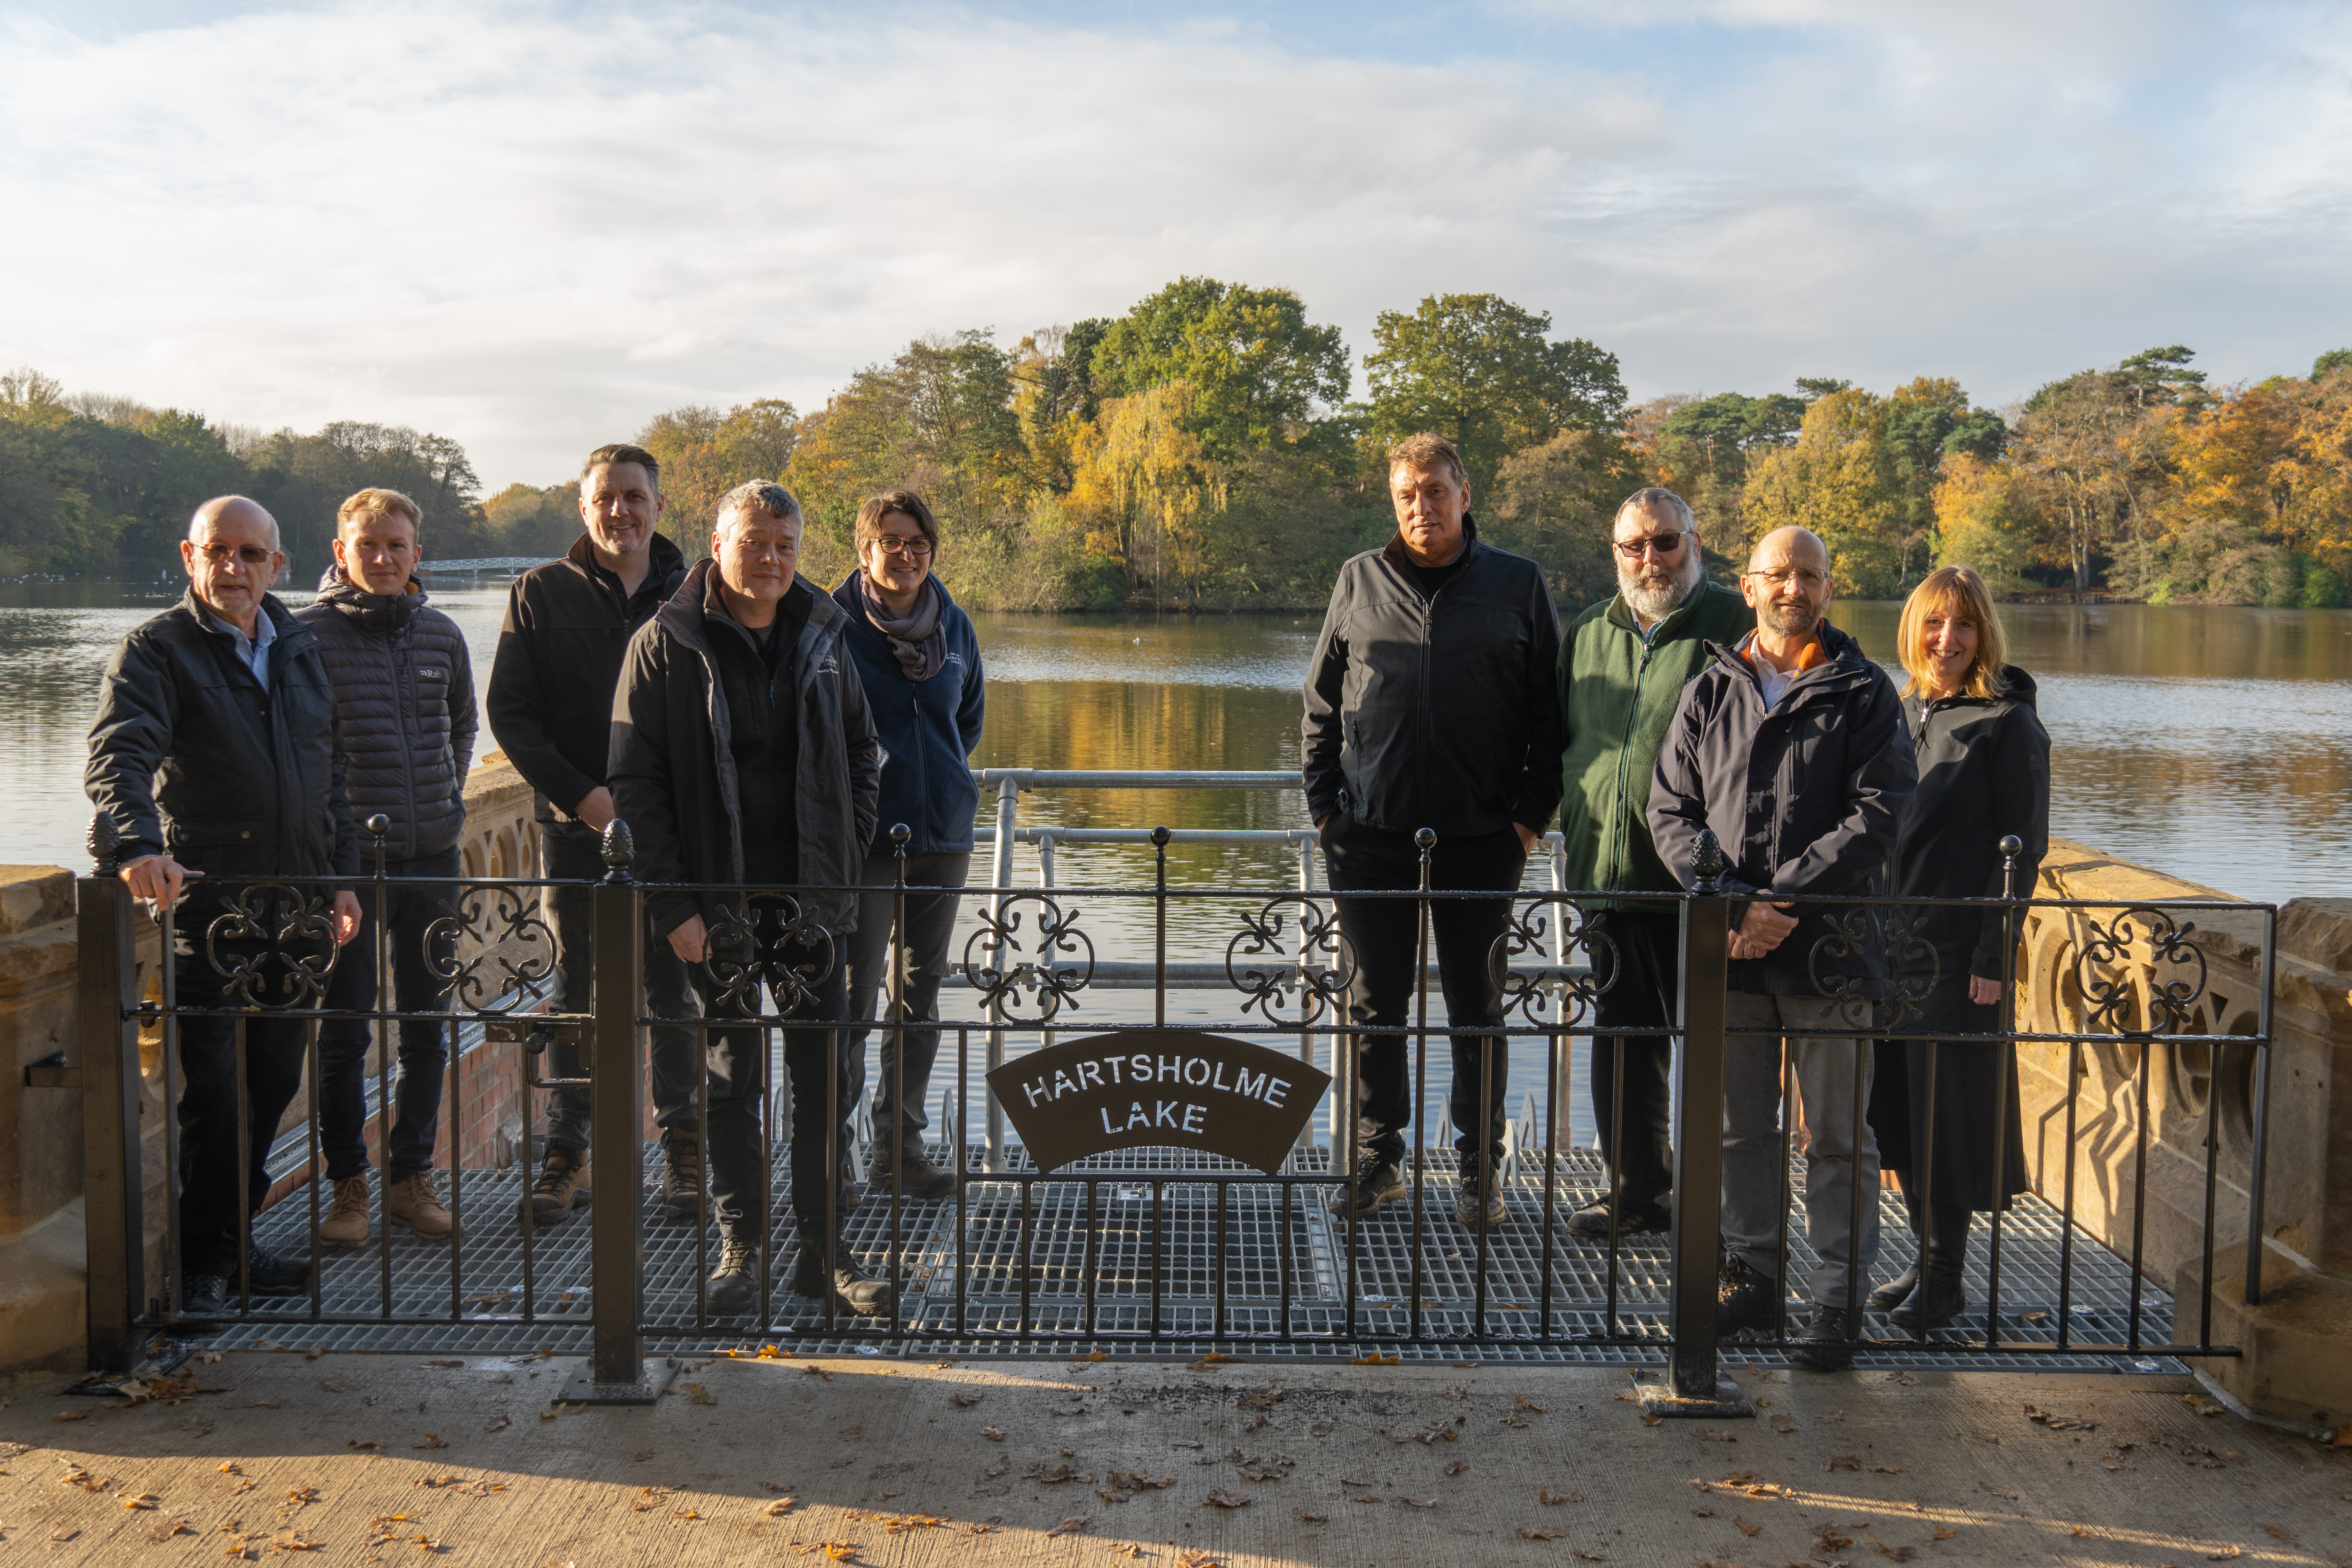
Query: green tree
1481, 372
1554, 503
2333, 359
1260, 372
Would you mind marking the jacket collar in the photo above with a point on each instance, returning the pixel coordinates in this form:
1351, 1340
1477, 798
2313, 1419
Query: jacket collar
682, 616
844, 597
377, 612
1393, 551
1842, 665
668, 561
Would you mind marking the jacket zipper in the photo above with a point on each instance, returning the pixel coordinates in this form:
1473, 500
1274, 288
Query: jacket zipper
1625, 744
405, 695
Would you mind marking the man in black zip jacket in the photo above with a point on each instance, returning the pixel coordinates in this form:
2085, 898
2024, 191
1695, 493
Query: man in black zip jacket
1431, 702
216, 755
405, 690
1792, 747
744, 753
550, 704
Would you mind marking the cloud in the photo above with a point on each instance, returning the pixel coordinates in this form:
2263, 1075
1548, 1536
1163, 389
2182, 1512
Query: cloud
531, 228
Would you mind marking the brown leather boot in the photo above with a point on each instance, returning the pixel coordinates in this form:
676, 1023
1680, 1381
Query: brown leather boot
346, 1224
417, 1203
562, 1182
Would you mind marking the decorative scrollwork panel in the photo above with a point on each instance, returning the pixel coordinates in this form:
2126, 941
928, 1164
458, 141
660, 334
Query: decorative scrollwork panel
1324, 968
1033, 990
273, 945
1533, 994
492, 949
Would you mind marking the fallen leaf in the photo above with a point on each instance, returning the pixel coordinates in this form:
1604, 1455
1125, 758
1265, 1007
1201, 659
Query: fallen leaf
1784, 1424
1843, 1462
1826, 1540
1375, 1359
965, 1398
1418, 1502
1744, 1526
1071, 1525
1321, 1429
1213, 1359
497, 1423
1945, 1532
2224, 1554
1997, 1491
1457, 1466
135, 1500
994, 1434
81, 1414
1553, 1499
1542, 1532
1306, 1517
432, 1440
1368, 1497
2060, 1423
781, 1507
1885, 1469
1589, 1556
699, 1394
1223, 1498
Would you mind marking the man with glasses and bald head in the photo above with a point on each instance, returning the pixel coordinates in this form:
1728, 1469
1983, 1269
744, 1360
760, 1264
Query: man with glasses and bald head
1792, 747
218, 757
1623, 666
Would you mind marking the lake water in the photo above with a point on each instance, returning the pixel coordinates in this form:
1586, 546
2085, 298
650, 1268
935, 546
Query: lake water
2213, 743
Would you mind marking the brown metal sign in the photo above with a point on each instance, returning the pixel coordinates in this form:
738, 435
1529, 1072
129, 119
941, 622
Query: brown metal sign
1172, 1090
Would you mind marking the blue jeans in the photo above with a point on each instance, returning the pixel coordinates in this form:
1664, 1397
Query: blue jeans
409, 914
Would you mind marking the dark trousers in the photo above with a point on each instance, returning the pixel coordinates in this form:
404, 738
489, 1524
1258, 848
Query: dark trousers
1384, 936
931, 923
210, 1155
580, 856
1638, 965
739, 1071
416, 947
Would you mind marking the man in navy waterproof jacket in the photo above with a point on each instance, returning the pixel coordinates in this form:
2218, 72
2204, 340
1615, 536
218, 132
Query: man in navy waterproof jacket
1431, 702
405, 688
215, 755
1792, 747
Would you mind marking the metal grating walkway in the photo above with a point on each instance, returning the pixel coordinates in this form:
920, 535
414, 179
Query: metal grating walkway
1272, 1235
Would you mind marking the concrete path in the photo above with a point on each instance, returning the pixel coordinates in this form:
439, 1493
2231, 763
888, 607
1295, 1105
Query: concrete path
352, 1459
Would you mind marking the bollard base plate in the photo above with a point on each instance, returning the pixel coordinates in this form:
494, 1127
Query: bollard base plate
582, 1387
1659, 1398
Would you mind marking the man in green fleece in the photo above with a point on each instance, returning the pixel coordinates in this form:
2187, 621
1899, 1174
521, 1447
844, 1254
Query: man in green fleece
1623, 666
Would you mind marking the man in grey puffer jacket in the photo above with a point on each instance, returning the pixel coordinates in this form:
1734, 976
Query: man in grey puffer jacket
404, 693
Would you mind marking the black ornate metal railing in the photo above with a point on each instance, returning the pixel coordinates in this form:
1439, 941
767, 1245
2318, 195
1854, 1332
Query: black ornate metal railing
1164, 1250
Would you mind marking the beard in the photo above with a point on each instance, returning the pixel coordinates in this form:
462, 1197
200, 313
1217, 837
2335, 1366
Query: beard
1788, 620
1655, 591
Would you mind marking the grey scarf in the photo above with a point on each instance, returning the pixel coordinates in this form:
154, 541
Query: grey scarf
918, 644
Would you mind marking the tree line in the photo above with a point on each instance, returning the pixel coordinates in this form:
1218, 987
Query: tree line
1203, 452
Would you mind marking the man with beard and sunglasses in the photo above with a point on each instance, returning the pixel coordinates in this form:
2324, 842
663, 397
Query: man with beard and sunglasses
1792, 747
1623, 666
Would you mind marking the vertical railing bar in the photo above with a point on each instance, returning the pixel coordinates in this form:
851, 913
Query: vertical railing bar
1217, 1261
1008, 795
1159, 1246
1926, 1174
1787, 1136
770, 1044
2004, 1051
168, 975
384, 1031
2212, 1152
313, 1148
105, 1003
899, 838
702, 1130
1614, 1173
2257, 1176
1094, 1223
523, 1093
454, 1080
617, 1240
1425, 840
1285, 1256
2139, 1187
1487, 1171
1853, 1189
963, 1170
244, 1168
1702, 1013
2066, 1217
1026, 1245
834, 1155
1556, 1046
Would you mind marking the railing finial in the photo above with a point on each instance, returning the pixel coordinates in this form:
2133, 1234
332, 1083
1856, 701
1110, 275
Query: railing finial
105, 841
620, 851
1707, 862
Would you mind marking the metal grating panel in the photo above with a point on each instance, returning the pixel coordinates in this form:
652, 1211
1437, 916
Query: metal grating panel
1271, 1234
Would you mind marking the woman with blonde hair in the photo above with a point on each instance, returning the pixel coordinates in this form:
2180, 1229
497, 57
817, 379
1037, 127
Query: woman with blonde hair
1984, 774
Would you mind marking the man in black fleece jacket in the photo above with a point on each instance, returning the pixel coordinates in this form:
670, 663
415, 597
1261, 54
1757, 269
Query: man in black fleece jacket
551, 707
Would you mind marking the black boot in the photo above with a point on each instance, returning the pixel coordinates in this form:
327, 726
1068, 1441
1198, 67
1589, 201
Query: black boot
853, 1290
1893, 1294
1942, 1295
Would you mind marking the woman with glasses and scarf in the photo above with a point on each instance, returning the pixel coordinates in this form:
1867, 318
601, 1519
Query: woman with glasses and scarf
920, 662
1941, 1108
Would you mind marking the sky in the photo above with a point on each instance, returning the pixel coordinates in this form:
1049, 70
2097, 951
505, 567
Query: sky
530, 226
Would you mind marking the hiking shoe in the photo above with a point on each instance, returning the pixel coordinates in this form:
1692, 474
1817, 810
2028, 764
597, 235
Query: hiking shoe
1744, 1299
346, 1224
267, 1274
1591, 1220
1378, 1180
1478, 1202
205, 1294
924, 1182
1825, 1344
415, 1202
1892, 1294
852, 1288
1933, 1304
681, 1196
734, 1284
562, 1182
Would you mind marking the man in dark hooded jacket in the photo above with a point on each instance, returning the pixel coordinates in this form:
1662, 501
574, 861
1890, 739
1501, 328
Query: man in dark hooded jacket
1792, 747
405, 688
743, 752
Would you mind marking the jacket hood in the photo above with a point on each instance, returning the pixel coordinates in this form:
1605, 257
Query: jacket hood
1845, 662
684, 617
377, 612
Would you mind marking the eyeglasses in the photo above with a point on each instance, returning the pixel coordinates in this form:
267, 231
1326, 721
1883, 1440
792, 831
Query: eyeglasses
249, 555
1663, 544
915, 549
1804, 575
